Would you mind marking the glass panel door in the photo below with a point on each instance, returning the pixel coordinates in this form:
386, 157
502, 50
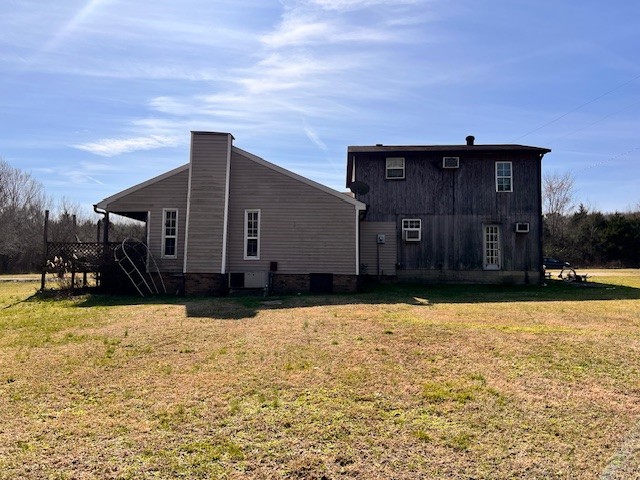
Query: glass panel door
492, 247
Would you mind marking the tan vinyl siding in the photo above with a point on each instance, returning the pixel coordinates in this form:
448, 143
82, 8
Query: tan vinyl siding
369, 248
168, 193
207, 202
304, 229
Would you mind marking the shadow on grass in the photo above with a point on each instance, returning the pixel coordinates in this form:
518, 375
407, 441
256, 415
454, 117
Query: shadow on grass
242, 307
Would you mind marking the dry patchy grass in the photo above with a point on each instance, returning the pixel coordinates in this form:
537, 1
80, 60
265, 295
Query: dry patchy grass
401, 382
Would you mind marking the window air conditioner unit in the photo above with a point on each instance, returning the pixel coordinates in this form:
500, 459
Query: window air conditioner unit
450, 162
412, 235
522, 227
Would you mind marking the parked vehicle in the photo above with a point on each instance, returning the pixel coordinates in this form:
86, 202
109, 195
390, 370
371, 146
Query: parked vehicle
554, 264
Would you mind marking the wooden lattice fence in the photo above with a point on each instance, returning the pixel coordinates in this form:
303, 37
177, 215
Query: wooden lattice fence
79, 256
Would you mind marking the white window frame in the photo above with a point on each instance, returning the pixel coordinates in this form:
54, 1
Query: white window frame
174, 236
499, 177
251, 235
394, 163
491, 247
411, 225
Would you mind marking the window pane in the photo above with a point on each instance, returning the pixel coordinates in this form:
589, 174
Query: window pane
252, 224
503, 177
169, 246
504, 184
252, 247
170, 223
394, 167
492, 247
411, 223
252, 233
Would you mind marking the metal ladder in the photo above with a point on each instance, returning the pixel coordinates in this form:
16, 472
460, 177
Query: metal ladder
137, 262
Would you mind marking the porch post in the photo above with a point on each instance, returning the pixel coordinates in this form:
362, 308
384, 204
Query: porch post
44, 249
106, 228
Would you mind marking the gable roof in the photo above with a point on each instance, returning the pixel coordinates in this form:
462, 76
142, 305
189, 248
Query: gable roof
103, 204
342, 196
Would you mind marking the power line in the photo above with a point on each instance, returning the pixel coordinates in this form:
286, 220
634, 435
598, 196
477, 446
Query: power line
577, 108
592, 123
608, 160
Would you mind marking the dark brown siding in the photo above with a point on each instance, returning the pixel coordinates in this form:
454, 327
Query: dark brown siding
454, 204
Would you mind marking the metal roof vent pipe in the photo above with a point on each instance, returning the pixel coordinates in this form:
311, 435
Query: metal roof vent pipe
470, 139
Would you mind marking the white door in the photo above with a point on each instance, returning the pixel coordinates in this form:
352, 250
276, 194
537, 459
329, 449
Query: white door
492, 251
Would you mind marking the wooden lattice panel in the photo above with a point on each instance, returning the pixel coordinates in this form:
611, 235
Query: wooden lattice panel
79, 256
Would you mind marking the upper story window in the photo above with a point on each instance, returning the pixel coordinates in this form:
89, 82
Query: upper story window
252, 234
504, 177
395, 168
411, 229
170, 233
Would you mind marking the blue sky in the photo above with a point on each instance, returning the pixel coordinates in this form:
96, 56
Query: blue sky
98, 95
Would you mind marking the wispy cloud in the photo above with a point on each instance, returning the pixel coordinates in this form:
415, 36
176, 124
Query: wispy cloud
84, 173
304, 26
313, 136
69, 27
355, 4
298, 30
110, 147
284, 75
94, 180
314, 62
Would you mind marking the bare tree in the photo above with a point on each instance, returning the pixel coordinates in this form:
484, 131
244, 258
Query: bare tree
22, 204
64, 224
557, 200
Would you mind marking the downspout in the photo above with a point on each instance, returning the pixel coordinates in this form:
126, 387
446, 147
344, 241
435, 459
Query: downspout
540, 223
225, 220
357, 242
45, 250
188, 216
105, 222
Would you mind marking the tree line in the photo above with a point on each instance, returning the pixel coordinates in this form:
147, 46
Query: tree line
23, 202
583, 237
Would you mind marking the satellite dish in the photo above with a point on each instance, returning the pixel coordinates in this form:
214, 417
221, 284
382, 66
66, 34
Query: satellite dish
359, 188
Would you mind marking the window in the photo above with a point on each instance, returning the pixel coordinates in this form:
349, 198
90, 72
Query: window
504, 177
395, 168
252, 234
450, 162
491, 244
411, 229
170, 233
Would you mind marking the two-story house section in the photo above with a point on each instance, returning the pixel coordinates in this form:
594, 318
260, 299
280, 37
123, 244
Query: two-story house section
450, 213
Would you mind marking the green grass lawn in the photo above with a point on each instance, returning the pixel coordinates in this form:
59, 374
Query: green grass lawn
399, 382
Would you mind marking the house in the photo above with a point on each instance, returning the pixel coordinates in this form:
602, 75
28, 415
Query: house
437, 213
450, 213
231, 219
